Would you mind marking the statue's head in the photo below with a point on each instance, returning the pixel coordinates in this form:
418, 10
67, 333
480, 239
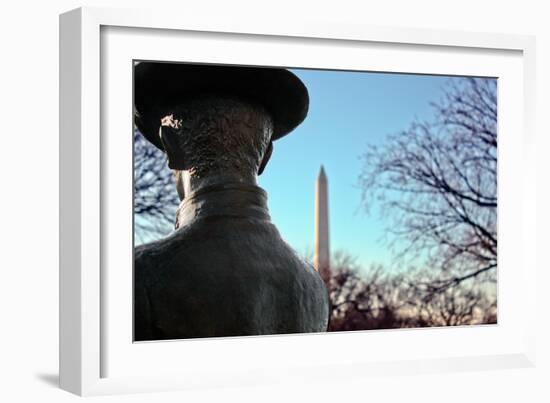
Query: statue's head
217, 134
216, 119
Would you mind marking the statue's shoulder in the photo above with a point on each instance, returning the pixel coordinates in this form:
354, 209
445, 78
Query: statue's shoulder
154, 258
147, 257
146, 252
157, 248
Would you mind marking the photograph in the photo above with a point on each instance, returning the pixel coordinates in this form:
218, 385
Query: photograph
283, 200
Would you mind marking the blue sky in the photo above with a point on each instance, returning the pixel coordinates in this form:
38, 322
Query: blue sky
348, 111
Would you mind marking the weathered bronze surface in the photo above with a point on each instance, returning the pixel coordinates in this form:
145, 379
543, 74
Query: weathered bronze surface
225, 271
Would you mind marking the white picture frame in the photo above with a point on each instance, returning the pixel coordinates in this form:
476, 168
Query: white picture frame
90, 343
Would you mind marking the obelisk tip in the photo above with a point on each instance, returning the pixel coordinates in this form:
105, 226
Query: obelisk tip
322, 174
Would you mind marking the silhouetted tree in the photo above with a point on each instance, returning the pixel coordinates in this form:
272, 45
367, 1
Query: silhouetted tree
379, 298
437, 181
155, 195
363, 300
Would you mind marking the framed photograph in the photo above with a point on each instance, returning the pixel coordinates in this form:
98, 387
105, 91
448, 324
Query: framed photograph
243, 203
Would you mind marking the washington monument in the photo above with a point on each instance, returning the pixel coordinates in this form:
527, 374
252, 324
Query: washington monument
321, 259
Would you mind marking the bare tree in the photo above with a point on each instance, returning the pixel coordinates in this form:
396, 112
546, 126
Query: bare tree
364, 299
460, 304
437, 181
155, 195
379, 298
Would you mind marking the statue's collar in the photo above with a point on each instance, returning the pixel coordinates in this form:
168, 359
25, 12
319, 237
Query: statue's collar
224, 200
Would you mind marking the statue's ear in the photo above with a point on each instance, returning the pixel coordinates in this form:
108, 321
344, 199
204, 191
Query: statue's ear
266, 158
168, 137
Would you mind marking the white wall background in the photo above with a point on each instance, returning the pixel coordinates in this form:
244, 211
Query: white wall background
29, 201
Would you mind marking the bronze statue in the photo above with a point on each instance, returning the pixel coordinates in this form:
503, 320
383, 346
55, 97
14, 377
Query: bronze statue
225, 270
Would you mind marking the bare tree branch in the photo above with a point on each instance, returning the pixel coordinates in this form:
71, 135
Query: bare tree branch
155, 196
379, 298
437, 181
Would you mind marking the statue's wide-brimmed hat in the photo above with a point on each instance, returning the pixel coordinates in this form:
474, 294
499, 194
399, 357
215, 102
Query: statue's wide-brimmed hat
158, 87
